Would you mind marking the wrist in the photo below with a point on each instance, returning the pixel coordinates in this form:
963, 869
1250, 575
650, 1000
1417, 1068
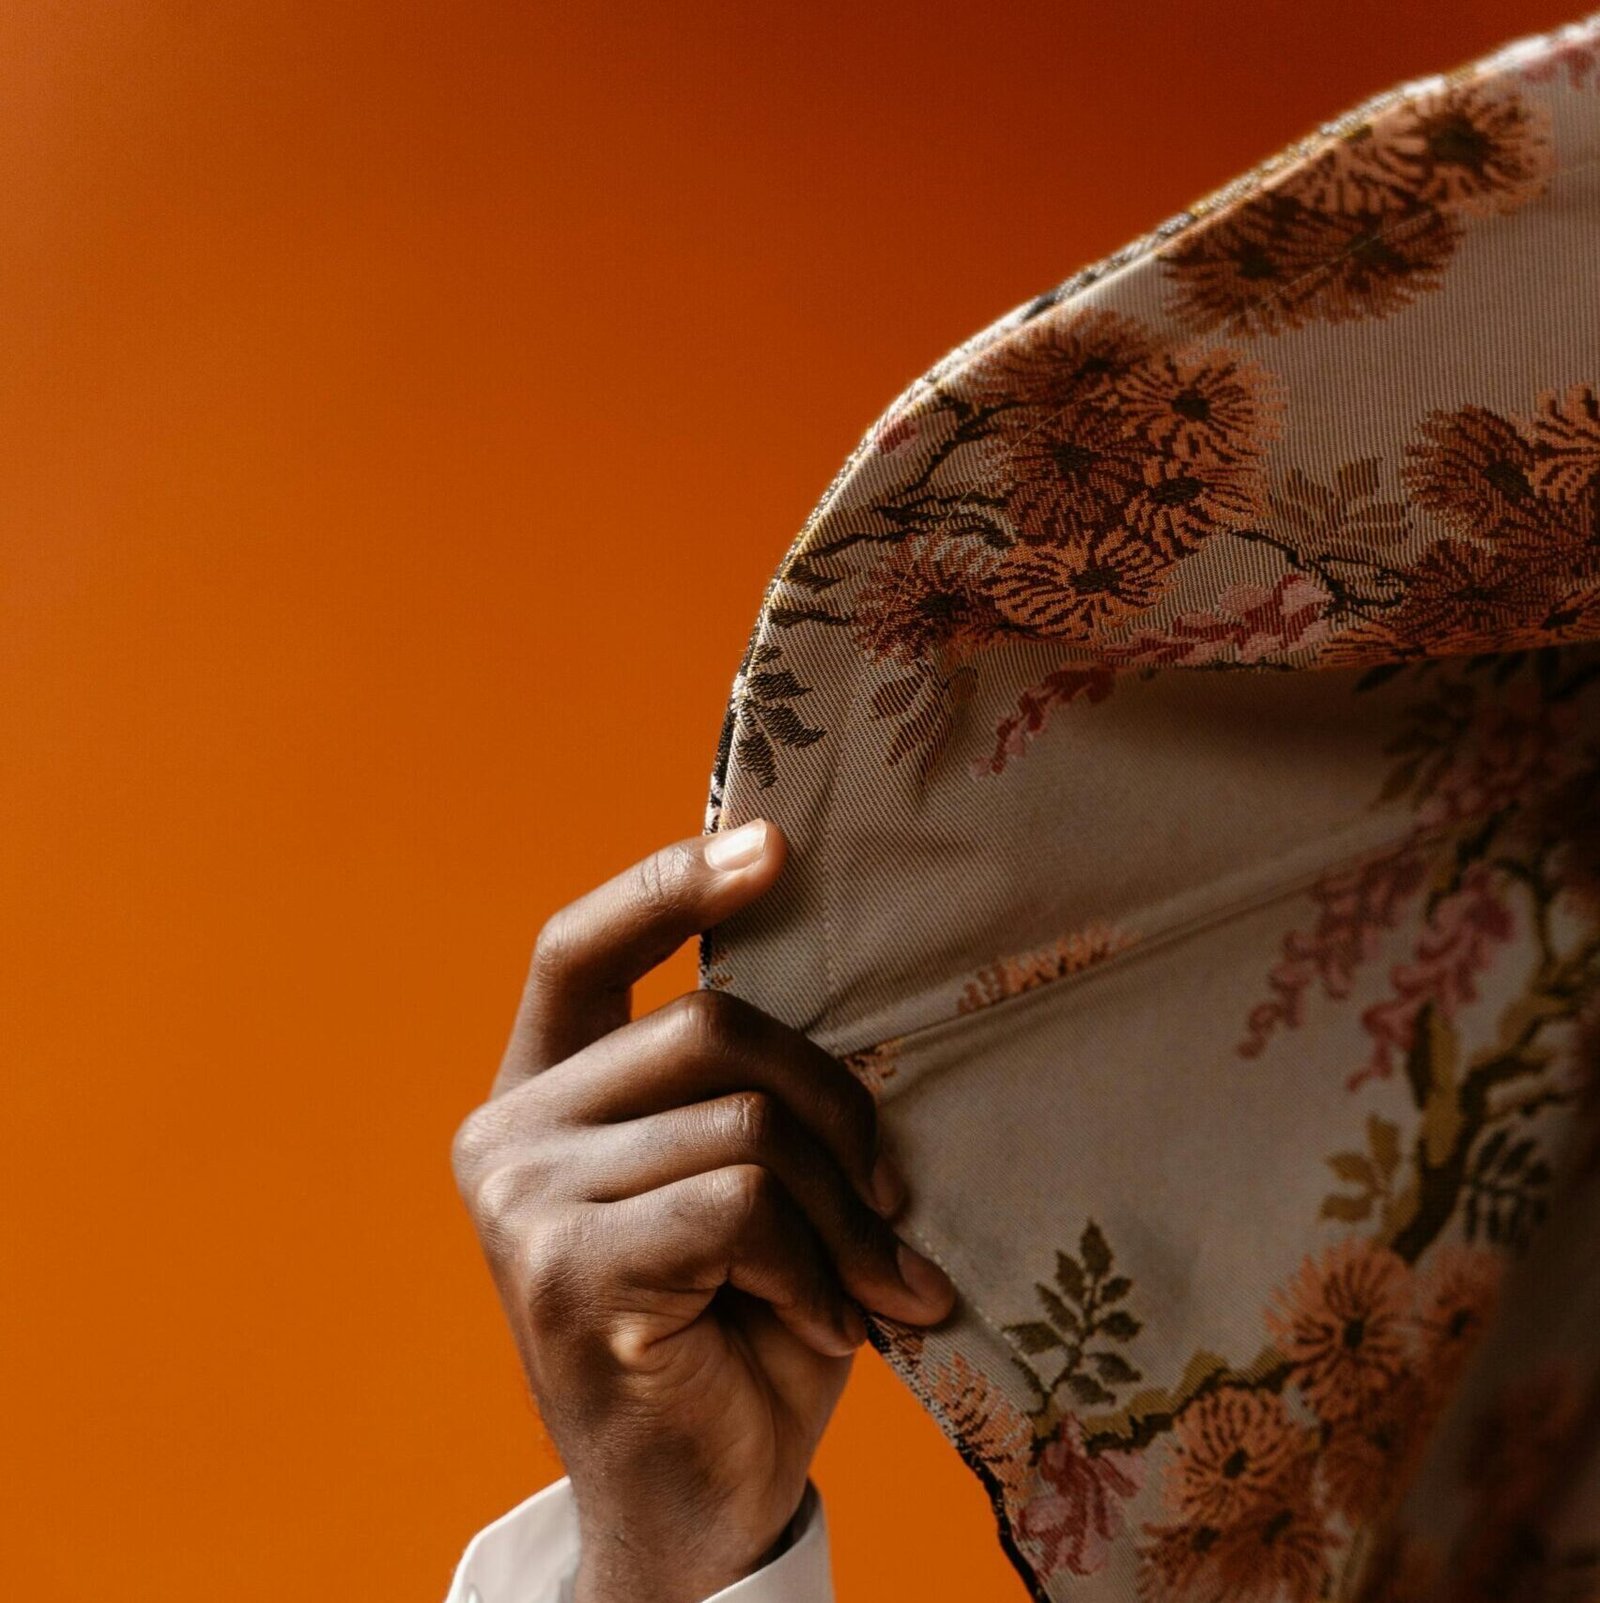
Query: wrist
622, 1560
616, 1574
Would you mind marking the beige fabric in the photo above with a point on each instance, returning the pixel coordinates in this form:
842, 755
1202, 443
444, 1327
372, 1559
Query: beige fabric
1183, 709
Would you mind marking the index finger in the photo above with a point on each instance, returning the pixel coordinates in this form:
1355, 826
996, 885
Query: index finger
590, 953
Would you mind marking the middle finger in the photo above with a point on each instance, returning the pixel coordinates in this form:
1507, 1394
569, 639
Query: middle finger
747, 1127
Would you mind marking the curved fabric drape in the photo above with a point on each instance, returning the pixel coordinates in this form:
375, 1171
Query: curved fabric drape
1183, 707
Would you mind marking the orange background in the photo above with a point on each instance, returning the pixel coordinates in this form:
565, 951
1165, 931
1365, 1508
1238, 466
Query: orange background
403, 406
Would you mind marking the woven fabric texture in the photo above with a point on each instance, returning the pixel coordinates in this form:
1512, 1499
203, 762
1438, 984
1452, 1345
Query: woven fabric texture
1182, 707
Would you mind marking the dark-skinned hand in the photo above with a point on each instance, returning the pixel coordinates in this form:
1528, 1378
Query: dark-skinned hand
681, 1212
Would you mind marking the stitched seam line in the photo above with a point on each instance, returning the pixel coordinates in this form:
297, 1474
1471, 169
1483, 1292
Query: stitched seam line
1225, 912
849, 719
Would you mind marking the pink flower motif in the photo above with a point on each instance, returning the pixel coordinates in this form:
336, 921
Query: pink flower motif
1034, 705
1072, 1518
1513, 749
1248, 624
1356, 908
894, 431
1456, 946
1578, 60
1268, 622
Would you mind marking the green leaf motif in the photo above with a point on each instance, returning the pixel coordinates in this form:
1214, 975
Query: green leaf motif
1120, 1325
1384, 1139
895, 696
1096, 1254
1061, 1316
1034, 1337
1114, 1369
1069, 1276
1356, 1167
785, 724
777, 685
1088, 1391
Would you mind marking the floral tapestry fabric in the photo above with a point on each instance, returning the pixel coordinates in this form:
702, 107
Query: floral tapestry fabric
1184, 707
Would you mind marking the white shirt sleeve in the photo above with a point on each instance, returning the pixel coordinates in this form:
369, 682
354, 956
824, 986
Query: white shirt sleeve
531, 1555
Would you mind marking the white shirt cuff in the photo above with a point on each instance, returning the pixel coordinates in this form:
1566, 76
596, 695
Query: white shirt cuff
531, 1555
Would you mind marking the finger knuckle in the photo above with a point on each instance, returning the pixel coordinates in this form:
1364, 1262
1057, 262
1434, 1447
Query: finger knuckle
498, 1194
662, 883
632, 1341
550, 1255
702, 1024
744, 1193
555, 948
750, 1123
473, 1140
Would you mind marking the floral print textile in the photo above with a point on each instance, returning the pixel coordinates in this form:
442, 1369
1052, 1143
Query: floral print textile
1184, 707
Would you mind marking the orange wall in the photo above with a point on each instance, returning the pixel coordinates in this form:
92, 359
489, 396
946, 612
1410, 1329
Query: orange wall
403, 406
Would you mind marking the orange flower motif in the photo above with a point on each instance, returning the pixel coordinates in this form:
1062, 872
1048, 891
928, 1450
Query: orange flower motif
1463, 148
987, 1423
1373, 263
1068, 954
1230, 1450
1370, 1458
1068, 470
1464, 597
1361, 225
1364, 644
1342, 1322
923, 599
1061, 358
1235, 270
1184, 501
1278, 1553
1455, 1306
1071, 592
1274, 263
1361, 169
1474, 469
1566, 438
1482, 149
1209, 407
874, 1066
902, 1345
1180, 1563
1575, 616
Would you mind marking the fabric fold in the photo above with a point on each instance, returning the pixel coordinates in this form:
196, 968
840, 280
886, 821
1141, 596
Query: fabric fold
1183, 710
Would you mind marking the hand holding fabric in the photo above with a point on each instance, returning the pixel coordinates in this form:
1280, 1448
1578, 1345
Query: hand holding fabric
680, 1212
